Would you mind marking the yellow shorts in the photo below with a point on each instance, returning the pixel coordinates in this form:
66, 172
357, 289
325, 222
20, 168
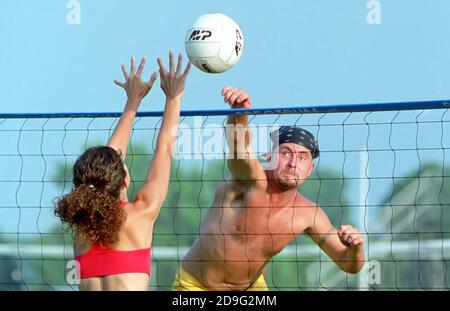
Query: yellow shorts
186, 282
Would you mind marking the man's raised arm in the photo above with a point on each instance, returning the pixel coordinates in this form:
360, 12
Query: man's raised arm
242, 161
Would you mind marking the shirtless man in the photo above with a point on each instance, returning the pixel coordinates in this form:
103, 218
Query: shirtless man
258, 212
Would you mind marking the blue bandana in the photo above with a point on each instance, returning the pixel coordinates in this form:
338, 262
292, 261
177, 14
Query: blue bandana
296, 135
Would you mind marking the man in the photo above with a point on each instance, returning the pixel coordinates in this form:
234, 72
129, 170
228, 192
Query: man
258, 212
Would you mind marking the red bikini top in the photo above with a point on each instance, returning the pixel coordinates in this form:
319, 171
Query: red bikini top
104, 261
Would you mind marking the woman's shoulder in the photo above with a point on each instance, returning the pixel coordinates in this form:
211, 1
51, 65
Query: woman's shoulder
80, 247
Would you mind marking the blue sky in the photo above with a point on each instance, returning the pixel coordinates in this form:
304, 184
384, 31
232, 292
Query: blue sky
296, 53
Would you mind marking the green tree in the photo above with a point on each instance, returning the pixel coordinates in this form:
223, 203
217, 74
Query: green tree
9, 271
416, 211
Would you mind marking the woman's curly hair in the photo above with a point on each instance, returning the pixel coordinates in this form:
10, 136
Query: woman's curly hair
92, 208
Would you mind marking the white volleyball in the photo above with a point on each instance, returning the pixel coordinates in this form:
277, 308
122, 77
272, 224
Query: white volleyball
215, 43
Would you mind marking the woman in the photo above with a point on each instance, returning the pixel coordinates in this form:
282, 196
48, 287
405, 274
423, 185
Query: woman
112, 236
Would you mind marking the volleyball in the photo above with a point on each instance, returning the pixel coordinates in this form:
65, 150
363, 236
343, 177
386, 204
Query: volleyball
214, 43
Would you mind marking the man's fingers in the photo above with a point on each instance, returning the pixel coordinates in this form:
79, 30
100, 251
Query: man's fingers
358, 240
233, 98
352, 233
350, 236
133, 66
228, 94
349, 229
247, 103
344, 236
141, 67
242, 97
227, 97
125, 72
224, 90
349, 239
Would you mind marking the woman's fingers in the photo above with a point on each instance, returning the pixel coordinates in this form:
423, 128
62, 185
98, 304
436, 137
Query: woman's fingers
119, 83
125, 72
141, 67
152, 80
133, 66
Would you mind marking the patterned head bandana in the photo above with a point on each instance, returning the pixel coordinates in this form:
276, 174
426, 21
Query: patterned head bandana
296, 135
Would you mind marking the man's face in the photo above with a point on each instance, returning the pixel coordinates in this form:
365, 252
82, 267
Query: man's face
294, 166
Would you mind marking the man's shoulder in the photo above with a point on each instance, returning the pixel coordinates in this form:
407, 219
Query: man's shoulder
305, 212
304, 203
305, 206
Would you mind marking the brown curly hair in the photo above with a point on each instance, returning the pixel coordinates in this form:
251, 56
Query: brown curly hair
92, 208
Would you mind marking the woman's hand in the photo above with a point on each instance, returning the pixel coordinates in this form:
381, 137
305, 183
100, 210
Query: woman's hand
134, 86
172, 82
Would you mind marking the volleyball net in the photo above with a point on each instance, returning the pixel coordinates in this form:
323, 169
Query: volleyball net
383, 168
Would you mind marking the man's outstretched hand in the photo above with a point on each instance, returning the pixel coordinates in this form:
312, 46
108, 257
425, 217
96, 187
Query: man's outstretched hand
236, 98
350, 236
